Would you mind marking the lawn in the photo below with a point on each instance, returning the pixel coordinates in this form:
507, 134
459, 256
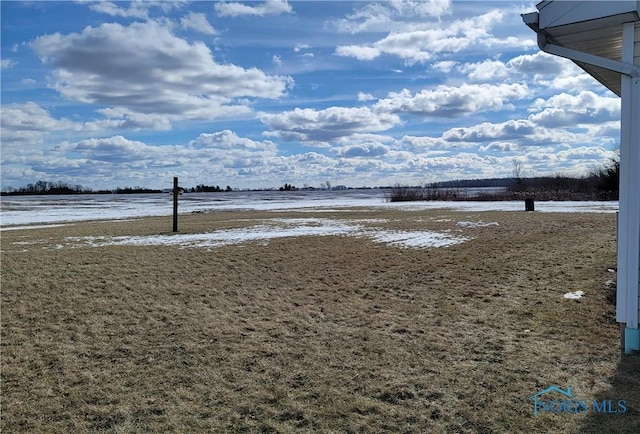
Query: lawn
111, 327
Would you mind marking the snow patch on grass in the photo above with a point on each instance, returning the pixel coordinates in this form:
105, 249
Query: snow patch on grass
415, 239
280, 228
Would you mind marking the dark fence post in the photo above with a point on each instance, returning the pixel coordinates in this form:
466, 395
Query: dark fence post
175, 204
529, 205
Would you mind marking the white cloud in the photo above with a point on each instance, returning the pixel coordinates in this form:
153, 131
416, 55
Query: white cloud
372, 17
197, 22
114, 149
358, 52
122, 118
487, 70
170, 76
7, 63
538, 64
365, 96
444, 66
270, 7
576, 161
576, 81
229, 141
366, 146
446, 101
27, 124
564, 110
136, 9
463, 165
320, 127
386, 16
552, 72
501, 147
421, 8
422, 42
487, 131
422, 144
222, 153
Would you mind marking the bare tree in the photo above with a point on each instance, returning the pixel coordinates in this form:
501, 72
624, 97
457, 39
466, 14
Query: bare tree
517, 168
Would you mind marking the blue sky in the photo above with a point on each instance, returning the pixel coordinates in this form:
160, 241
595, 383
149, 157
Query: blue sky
258, 94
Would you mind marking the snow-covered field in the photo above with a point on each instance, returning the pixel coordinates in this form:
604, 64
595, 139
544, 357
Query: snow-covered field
28, 210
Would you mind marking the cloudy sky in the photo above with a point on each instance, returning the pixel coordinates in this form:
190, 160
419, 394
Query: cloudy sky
256, 94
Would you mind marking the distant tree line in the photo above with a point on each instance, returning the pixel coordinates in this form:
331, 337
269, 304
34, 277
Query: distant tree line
600, 184
201, 188
288, 187
134, 190
46, 187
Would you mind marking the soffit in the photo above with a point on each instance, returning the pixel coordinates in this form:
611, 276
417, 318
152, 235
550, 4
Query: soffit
597, 35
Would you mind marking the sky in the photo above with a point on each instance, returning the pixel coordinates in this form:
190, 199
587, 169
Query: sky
310, 93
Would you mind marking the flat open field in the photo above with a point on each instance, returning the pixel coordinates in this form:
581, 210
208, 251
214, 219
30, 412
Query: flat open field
351, 321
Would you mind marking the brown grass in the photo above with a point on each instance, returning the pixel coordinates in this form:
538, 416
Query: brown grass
313, 334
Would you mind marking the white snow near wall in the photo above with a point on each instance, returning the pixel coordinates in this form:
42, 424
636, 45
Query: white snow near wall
574, 295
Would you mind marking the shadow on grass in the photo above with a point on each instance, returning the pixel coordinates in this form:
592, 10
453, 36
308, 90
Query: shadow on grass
625, 386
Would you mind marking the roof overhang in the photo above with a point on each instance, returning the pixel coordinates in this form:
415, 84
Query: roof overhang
591, 27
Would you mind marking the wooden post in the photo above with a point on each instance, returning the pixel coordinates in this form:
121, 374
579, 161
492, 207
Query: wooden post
175, 204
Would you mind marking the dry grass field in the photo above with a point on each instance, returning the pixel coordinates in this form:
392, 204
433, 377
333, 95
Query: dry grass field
322, 333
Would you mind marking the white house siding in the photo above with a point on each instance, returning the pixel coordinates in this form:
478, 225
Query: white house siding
636, 53
636, 61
